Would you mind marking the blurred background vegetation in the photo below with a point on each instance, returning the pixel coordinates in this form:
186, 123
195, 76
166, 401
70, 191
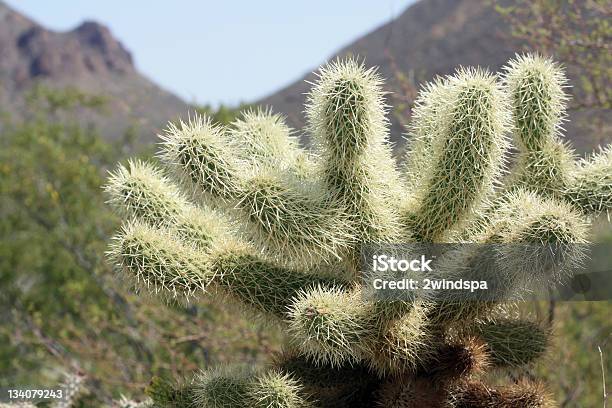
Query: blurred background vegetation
62, 309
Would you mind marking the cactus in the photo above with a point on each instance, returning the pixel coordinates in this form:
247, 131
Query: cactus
247, 214
273, 389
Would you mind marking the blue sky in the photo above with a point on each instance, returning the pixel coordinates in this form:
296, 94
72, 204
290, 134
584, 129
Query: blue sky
224, 50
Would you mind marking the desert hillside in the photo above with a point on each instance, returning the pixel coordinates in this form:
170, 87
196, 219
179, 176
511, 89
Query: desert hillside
430, 38
88, 57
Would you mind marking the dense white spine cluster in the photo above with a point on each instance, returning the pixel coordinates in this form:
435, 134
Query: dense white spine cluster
279, 230
461, 135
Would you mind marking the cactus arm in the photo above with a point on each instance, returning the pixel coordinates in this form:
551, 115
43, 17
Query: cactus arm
263, 138
544, 171
422, 130
283, 214
346, 117
535, 87
224, 388
455, 361
141, 191
344, 386
545, 164
405, 338
467, 147
590, 184
164, 263
266, 389
336, 327
542, 240
538, 102
260, 283
330, 326
293, 218
158, 260
512, 343
200, 153
530, 244
524, 394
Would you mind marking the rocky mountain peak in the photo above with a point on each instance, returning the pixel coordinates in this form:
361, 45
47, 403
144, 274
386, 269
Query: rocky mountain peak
88, 57
98, 37
36, 52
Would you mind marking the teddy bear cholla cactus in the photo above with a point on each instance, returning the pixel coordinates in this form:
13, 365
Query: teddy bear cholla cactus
278, 229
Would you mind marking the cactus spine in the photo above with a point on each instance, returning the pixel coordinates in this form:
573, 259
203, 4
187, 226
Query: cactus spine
279, 230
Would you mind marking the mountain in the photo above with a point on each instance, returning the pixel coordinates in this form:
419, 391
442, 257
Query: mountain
433, 37
430, 37
88, 58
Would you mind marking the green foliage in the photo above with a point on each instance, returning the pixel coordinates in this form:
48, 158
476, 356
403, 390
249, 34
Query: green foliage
50, 269
572, 363
223, 114
53, 101
575, 32
61, 307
